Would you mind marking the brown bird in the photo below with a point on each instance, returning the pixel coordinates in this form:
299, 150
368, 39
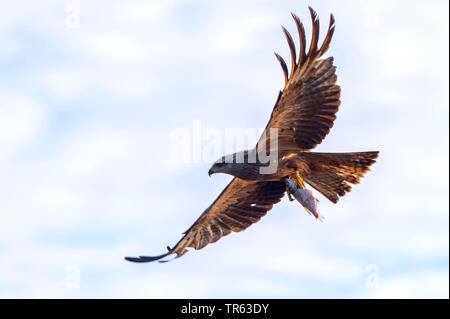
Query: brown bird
303, 115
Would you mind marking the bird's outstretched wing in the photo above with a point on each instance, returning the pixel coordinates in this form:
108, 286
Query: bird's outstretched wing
305, 110
239, 205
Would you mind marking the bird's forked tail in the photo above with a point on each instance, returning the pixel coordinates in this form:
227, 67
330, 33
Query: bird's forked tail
331, 173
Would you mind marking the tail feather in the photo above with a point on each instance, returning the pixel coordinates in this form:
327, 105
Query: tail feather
331, 173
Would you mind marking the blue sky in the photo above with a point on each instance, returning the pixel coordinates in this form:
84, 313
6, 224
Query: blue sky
90, 94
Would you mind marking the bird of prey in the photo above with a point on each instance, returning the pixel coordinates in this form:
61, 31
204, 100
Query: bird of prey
302, 116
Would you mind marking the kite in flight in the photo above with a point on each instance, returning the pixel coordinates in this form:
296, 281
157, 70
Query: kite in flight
303, 115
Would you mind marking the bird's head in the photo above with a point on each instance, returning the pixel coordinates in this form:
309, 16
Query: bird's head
221, 166
235, 164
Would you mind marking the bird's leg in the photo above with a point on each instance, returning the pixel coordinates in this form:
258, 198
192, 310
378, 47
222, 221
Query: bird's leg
299, 180
289, 194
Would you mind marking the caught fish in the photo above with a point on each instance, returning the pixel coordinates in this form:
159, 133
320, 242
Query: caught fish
303, 196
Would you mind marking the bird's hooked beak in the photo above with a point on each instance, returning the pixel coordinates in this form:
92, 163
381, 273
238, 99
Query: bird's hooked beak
217, 168
211, 171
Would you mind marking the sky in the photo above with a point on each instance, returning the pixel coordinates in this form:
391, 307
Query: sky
92, 95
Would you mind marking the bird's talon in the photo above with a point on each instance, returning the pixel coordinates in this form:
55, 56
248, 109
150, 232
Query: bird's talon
299, 180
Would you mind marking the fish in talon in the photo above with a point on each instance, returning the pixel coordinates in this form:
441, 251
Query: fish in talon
303, 196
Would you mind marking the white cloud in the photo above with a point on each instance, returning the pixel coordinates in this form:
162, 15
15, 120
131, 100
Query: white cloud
67, 82
140, 13
241, 32
9, 48
71, 82
430, 284
118, 47
20, 120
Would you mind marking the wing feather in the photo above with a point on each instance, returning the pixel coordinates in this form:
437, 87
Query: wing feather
315, 34
240, 205
305, 109
284, 67
302, 37
291, 49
